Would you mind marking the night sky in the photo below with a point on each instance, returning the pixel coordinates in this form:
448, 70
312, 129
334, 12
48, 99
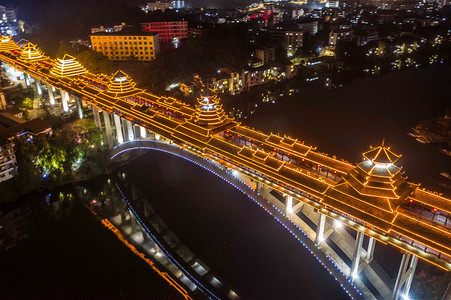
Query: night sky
208, 3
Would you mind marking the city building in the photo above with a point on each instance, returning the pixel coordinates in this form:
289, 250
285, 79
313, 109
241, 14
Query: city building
12, 126
293, 41
115, 28
142, 46
168, 32
266, 54
14, 226
332, 3
364, 38
339, 35
9, 25
308, 26
163, 5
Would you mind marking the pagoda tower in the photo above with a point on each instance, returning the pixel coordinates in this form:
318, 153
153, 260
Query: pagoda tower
374, 189
121, 85
7, 45
209, 112
67, 66
377, 175
31, 53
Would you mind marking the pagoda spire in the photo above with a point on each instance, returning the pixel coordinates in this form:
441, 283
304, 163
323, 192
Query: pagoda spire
7, 44
209, 112
31, 53
67, 66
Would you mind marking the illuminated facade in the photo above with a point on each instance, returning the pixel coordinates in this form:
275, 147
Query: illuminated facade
67, 66
122, 46
167, 31
32, 54
6, 44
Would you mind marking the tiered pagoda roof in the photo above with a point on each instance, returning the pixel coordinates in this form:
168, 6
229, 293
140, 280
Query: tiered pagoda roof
375, 187
67, 67
208, 119
121, 86
31, 53
209, 112
7, 44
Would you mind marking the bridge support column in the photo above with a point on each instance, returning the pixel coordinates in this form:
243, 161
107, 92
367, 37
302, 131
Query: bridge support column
64, 99
96, 114
109, 137
130, 132
27, 80
258, 186
320, 228
356, 256
51, 96
38, 87
405, 275
118, 125
288, 204
79, 107
370, 250
143, 132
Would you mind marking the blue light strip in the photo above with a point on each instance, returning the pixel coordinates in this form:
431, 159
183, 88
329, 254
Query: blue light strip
247, 193
201, 287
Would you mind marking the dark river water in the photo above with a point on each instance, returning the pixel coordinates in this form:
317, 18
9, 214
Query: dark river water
231, 234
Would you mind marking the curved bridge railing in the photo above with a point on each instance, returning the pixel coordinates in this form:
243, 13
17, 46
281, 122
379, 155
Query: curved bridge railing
227, 175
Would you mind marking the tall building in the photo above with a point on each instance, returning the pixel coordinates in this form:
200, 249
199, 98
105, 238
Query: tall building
115, 28
293, 41
9, 25
176, 4
266, 55
339, 35
332, 3
171, 31
308, 26
124, 46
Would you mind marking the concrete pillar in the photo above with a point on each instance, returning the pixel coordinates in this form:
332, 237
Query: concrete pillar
133, 222
413, 267
79, 107
405, 276
288, 204
27, 80
118, 125
130, 133
122, 211
38, 87
2, 100
51, 95
356, 256
320, 228
258, 186
370, 251
64, 99
96, 114
109, 136
143, 132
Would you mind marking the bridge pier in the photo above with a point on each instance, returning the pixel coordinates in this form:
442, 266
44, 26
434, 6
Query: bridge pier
370, 250
79, 107
64, 99
109, 137
118, 125
320, 228
38, 87
130, 133
143, 132
27, 80
96, 114
51, 95
405, 276
288, 204
356, 256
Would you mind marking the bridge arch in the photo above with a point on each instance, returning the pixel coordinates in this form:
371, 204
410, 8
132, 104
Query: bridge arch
228, 175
